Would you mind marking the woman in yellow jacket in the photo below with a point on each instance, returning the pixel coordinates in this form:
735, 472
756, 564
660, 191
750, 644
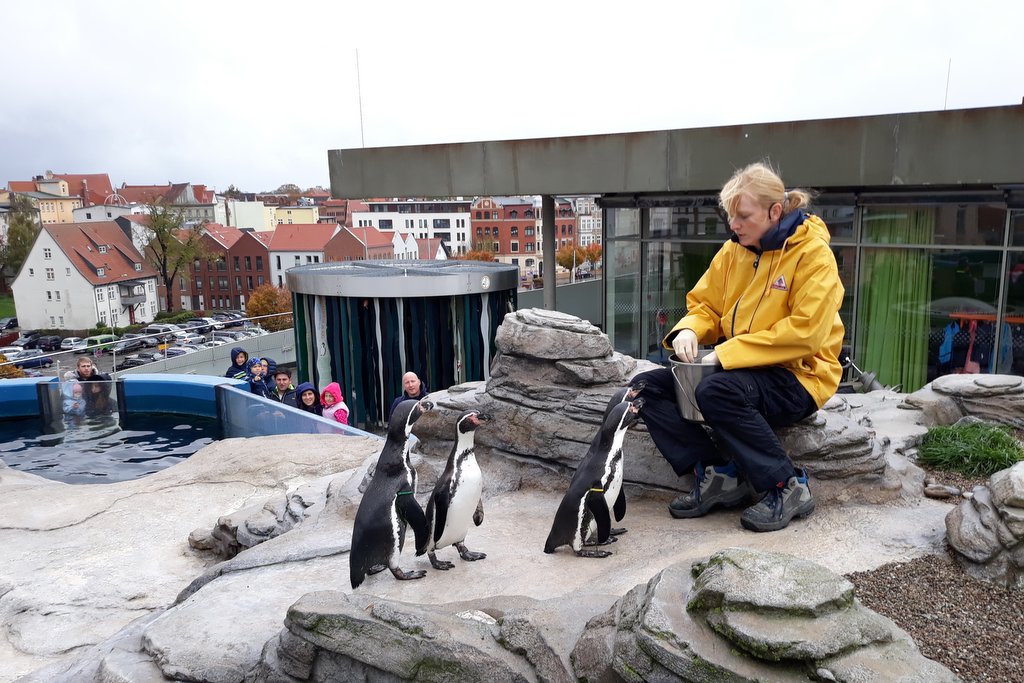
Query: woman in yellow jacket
773, 294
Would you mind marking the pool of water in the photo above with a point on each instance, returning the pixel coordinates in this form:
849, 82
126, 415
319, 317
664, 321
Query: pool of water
100, 450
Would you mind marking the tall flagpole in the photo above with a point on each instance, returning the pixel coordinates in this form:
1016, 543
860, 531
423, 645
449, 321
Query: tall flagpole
359, 87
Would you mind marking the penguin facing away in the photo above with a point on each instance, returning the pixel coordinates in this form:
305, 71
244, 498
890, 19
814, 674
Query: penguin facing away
389, 503
588, 500
456, 499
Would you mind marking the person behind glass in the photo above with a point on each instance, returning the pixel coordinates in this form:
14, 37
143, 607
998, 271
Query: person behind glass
85, 371
254, 376
334, 403
239, 364
412, 387
283, 391
773, 293
74, 399
308, 399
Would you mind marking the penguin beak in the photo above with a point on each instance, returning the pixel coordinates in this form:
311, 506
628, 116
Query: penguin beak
635, 389
636, 405
426, 405
483, 417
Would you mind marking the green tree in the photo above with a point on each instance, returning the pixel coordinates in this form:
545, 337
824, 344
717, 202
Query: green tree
233, 192
266, 300
22, 228
171, 245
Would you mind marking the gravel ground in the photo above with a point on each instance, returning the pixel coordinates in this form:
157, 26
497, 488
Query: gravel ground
974, 628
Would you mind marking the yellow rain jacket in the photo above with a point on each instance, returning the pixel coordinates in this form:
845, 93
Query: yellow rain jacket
776, 307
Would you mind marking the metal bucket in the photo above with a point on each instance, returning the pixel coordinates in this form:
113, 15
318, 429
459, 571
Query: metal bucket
687, 376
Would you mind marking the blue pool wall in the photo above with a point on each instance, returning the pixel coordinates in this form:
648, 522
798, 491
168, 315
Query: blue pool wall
178, 394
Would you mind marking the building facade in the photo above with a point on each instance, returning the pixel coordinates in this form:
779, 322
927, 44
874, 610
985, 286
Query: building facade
442, 219
78, 275
298, 245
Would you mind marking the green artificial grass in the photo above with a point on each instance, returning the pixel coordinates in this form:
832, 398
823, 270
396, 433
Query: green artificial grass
975, 450
6, 306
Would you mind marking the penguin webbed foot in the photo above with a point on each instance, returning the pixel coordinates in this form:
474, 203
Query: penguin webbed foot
376, 569
439, 564
407, 576
593, 541
467, 554
593, 553
618, 530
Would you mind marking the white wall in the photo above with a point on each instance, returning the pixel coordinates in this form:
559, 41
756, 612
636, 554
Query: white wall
86, 214
250, 215
422, 225
288, 261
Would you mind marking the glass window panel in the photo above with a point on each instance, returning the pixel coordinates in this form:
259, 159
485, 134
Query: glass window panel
953, 224
699, 222
621, 222
672, 269
846, 260
1011, 341
622, 270
839, 220
1017, 229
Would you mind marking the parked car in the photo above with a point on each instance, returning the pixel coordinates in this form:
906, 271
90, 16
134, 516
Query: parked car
229, 336
126, 344
98, 342
164, 331
184, 337
229, 319
10, 352
214, 323
214, 343
48, 342
33, 358
76, 344
136, 359
188, 347
174, 351
8, 323
27, 340
198, 325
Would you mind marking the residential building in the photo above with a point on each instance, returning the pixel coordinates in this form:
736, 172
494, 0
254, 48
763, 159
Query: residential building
366, 243
296, 215
433, 249
444, 219
215, 281
588, 220
79, 274
512, 228
92, 188
105, 212
298, 244
340, 211
252, 255
252, 215
196, 202
50, 196
316, 196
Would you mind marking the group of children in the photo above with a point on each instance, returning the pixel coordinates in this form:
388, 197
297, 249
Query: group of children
267, 380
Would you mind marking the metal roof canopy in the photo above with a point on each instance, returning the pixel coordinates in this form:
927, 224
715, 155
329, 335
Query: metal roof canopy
402, 279
968, 147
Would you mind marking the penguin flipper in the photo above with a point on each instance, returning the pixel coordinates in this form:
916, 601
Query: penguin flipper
620, 506
440, 500
412, 513
478, 516
598, 507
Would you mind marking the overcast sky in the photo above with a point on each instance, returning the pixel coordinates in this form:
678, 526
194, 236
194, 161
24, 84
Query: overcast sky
255, 93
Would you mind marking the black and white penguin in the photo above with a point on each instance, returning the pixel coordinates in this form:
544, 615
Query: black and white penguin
456, 499
613, 494
389, 503
596, 487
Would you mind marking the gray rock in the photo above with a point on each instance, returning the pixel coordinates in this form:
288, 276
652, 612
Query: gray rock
941, 491
537, 333
992, 398
896, 662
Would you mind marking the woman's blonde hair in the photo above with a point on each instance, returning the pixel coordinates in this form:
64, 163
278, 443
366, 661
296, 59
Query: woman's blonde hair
761, 182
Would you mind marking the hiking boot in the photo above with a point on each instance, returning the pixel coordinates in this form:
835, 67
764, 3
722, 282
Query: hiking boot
780, 505
718, 486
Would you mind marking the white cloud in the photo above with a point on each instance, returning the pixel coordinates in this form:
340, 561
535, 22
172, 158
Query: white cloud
256, 93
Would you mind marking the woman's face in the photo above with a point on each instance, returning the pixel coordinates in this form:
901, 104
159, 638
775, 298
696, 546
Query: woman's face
328, 399
751, 221
308, 397
266, 366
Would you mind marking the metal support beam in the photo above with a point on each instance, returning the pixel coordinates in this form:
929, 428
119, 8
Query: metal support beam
547, 213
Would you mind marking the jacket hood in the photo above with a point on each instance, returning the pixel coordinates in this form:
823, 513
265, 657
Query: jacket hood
334, 389
271, 365
305, 386
798, 225
234, 354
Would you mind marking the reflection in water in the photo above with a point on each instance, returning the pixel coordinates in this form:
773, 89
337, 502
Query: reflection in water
102, 449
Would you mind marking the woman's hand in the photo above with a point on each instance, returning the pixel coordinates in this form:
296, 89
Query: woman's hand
685, 345
710, 359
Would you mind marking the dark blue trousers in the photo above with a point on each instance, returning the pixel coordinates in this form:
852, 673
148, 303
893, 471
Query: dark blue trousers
741, 407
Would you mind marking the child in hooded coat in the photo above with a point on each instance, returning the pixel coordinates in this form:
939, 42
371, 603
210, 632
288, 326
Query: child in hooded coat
254, 376
238, 370
334, 403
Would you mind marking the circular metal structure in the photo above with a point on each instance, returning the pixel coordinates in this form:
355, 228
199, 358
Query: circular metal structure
402, 279
363, 324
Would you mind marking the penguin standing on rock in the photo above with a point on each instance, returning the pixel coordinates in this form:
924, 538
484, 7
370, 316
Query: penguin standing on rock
456, 499
389, 504
596, 487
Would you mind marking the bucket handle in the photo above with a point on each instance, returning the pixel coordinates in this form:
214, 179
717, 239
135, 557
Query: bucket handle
690, 398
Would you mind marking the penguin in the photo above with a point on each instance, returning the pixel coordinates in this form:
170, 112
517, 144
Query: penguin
596, 487
389, 503
613, 493
456, 498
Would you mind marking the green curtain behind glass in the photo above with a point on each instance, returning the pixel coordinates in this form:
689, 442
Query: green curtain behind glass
895, 293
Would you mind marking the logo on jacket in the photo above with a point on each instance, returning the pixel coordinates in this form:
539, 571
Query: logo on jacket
780, 284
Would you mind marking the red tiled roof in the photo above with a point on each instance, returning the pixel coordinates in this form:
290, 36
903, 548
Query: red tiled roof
302, 236
94, 188
372, 237
143, 194
225, 235
80, 242
21, 186
265, 236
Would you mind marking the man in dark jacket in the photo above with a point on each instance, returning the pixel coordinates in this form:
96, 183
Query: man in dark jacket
412, 387
283, 391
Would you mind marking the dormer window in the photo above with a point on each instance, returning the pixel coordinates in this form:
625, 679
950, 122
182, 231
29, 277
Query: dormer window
102, 248
101, 272
138, 267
